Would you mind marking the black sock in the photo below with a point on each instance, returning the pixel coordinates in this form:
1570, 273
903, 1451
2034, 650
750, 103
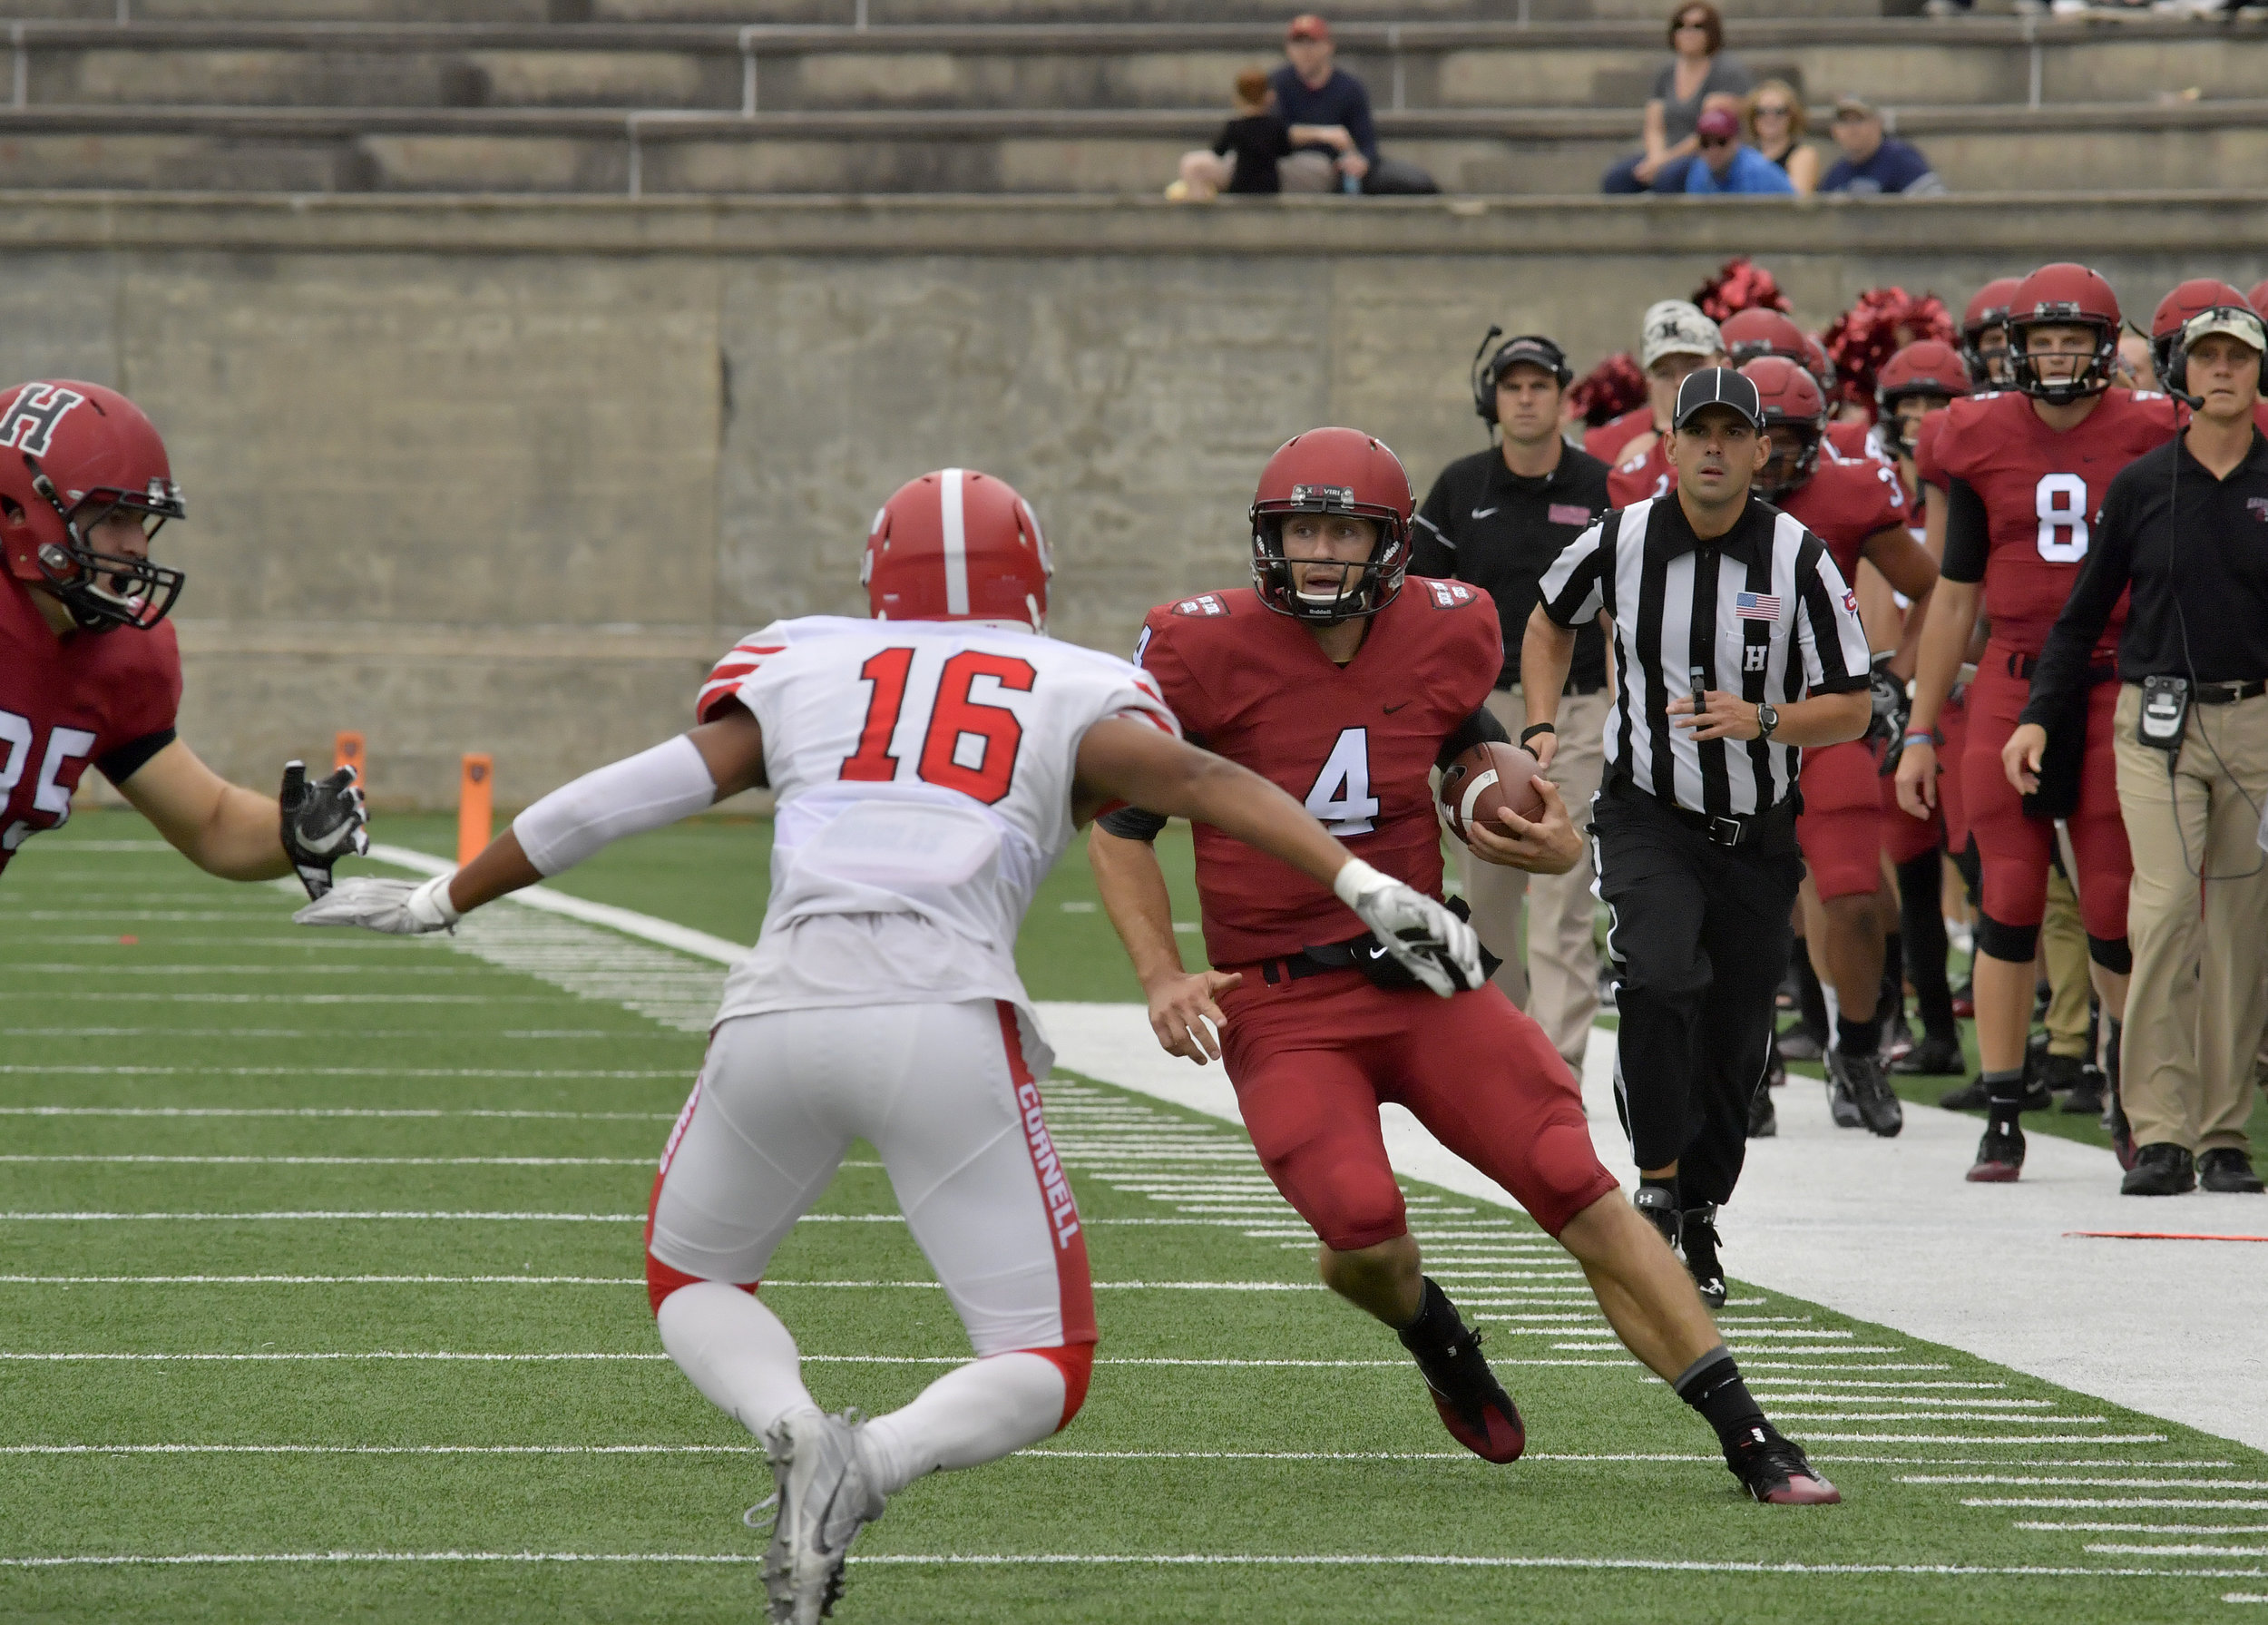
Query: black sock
1437, 1324
1669, 1186
2004, 1094
1922, 923
1860, 1037
1711, 1385
1811, 1001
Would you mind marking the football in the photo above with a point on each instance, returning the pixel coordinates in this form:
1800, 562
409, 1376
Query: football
1487, 781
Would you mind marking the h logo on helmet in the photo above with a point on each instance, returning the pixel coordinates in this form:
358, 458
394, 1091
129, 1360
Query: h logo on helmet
30, 422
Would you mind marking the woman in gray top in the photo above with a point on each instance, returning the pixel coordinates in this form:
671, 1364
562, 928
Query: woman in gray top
1698, 70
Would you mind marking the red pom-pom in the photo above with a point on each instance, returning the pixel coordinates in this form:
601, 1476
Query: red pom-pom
1608, 390
1883, 322
1739, 285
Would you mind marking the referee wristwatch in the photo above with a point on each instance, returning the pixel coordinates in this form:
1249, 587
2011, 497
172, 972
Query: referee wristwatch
1767, 718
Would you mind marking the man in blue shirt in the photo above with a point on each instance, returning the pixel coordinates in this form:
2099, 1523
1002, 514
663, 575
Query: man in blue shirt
1873, 163
1309, 89
1727, 163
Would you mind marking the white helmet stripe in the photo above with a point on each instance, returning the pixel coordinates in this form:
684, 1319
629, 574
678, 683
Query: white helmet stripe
956, 545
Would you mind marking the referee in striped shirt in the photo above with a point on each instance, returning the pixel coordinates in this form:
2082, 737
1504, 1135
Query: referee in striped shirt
1736, 643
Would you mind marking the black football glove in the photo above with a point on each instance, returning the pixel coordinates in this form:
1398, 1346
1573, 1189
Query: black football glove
1892, 710
322, 823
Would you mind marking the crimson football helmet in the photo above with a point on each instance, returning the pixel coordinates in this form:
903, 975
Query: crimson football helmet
1341, 472
2063, 295
1795, 416
72, 455
1926, 367
2192, 298
957, 545
1749, 334
2258, 298
1987, 312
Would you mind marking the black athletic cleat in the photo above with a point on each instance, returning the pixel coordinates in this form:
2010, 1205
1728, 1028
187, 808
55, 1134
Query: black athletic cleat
1863, 1083
2056, 1075
2162, 1169
1799, 1043
1841, 1105
1773, 1469
1931, 1058
2230, 1171
1763, 1121
1970, 1097
1898, 1039
1473, 1406
1698, 1230
2086, 1096
1999, 1155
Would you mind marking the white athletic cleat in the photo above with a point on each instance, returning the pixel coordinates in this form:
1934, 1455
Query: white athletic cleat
823, 1502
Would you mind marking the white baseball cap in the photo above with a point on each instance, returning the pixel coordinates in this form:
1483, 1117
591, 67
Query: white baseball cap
1677, 328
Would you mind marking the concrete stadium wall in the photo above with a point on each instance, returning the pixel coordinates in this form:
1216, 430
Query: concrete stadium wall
484, 475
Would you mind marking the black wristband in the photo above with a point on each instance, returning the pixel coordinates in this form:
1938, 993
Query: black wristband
1533, 729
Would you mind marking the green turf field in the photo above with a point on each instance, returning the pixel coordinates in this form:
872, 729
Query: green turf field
322, 1272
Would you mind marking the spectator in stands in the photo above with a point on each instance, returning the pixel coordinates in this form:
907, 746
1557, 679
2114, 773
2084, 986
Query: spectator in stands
1729, 164
1312, 94
1696, 73
1778, 125
1244, 155
1874, 162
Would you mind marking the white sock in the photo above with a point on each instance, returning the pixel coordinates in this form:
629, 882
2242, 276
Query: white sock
736, 1351
975, 1413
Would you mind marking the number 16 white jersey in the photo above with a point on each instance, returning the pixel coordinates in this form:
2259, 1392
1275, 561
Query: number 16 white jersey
924, 771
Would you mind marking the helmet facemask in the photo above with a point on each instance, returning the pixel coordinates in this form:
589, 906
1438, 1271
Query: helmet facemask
2091, 376
1794, 456
107, 590
1365, 586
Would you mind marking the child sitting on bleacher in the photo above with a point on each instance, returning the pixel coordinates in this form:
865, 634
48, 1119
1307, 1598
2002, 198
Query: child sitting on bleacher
1244, 155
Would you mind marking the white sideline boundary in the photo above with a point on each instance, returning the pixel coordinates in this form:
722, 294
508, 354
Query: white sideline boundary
1884, 1231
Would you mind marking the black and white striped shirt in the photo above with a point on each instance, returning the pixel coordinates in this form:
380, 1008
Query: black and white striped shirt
1730, 614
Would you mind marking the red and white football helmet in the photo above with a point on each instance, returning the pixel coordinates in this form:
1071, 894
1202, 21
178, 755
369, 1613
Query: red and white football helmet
957, 545
1795, 416
2192, 298
2063, 295
2258, 298
1987, 312
1928, 366
1339, 472
71, 455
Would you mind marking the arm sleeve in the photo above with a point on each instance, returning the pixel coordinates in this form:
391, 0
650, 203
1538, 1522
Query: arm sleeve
1827, 629
1967, 534
1132, 824
2109, 566
646, 791
120, 765
1570, 592
1481, 728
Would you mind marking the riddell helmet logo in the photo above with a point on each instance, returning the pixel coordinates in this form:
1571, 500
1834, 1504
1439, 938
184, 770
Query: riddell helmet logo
30, 422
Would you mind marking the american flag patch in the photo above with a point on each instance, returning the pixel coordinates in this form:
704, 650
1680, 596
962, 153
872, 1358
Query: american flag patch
1757, 606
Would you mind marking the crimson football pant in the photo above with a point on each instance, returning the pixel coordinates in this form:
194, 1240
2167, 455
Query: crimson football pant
1312, 1060
1700, 936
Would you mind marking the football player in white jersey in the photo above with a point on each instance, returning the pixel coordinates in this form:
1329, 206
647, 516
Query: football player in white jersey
930, 765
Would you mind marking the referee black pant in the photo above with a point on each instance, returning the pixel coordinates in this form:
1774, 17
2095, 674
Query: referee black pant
1700, 939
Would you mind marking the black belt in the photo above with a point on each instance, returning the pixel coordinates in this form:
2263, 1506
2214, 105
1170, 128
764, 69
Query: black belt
2227, 693
1299, 966
1721, 829
2022, 666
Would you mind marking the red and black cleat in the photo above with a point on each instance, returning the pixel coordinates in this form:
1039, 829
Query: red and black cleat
1473, 1406
1773, 1469
2000, 1156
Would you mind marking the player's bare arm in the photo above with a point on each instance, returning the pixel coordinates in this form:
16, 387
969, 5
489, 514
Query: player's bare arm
1912, 572
1546, 653
1184, 1010
224, 828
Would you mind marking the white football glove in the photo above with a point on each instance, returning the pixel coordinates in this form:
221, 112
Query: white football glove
396, 908
1432, 945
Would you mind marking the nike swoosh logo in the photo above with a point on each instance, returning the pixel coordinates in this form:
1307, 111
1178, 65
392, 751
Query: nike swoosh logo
1482, 512
1392, 708
1376, 951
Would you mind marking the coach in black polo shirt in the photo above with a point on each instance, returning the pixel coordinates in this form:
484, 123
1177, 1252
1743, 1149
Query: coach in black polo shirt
1737, 642
1497, 519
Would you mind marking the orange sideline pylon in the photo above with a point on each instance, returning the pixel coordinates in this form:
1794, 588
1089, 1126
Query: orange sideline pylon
476, 808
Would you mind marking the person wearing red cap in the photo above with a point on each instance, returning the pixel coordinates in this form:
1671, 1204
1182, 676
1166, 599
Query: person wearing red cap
1729, 164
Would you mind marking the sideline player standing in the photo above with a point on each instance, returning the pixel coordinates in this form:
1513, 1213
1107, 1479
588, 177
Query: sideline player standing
89, 672
2027, 472
1345, 689
1859, 510
931, 764
1694, 834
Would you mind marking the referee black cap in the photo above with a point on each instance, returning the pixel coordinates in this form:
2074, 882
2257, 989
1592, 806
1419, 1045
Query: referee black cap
1718, 387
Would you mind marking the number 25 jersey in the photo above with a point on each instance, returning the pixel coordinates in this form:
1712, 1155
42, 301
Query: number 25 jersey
924, 770
2042, 491
1354, 742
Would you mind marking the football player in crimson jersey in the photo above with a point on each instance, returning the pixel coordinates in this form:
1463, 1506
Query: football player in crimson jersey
930, 765
90, 672
2026, 473
1859, 510
1984, 334
1344, 684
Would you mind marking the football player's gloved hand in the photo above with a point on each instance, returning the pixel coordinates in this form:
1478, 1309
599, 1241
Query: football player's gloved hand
396, 908
322, 823
1892, 708
1432, 945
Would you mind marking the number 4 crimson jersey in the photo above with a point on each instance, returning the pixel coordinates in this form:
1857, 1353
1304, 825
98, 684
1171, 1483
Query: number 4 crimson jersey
104, 697
2042, 491
924, 772
1355, 742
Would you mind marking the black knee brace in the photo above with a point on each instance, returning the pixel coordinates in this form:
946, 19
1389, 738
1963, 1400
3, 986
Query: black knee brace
2113, 953
2015, 944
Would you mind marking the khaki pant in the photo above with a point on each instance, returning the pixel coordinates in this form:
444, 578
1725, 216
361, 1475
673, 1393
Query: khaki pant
2198, 1002
1558, 984
2063, 937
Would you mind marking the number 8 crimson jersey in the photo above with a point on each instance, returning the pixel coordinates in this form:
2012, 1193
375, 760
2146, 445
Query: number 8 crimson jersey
1354, 742
924, 772
2042, 491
